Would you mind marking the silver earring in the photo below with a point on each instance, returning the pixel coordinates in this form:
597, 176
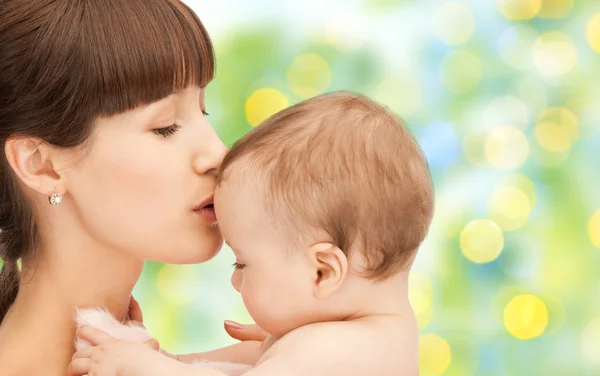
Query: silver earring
56, 198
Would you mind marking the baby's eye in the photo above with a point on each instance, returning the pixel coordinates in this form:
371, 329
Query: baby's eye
238, 266
167, 131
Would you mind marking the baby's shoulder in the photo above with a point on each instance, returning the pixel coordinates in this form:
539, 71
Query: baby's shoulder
381, 345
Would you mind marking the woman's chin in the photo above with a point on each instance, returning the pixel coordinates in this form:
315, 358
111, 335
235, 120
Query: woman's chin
193, 256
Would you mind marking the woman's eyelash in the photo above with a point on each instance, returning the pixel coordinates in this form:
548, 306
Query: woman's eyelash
237, 266
167, 131
205, 113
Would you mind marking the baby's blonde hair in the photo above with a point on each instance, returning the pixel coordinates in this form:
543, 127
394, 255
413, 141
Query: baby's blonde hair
342, 164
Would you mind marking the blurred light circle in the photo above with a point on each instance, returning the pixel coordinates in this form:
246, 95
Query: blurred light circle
178, 284
434, 355
563, 118
594, 229
519, 9
554, 54
593, 32
523, 183
453, 22
309, 75
461, 72
263, 103
555, 8
506, 148
481, 241
509, 207
402, 94
515, 46
590, 341
552, 137
506, 110
525, 317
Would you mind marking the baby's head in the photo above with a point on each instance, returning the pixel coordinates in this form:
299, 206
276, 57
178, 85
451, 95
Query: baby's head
324, 197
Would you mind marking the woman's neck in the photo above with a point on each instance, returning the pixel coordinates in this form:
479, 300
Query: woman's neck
39, 328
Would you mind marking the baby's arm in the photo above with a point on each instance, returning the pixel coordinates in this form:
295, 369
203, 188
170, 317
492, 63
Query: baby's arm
319, 349
247, 352
327, 349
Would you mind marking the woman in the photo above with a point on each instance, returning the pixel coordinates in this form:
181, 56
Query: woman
107, 160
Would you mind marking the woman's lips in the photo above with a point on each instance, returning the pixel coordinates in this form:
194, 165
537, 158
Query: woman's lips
206, 210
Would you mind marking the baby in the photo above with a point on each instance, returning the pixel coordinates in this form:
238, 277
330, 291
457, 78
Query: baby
324, 205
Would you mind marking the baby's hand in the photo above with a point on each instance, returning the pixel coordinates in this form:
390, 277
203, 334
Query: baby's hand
104, 321
108, 356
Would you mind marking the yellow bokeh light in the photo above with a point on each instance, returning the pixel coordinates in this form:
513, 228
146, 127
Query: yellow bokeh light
593, 32
420, 294
178, 284
263, 103
554, 54
562, 117
526, 316
162, 321
594, 229
590, 341
435, 355
506, 110
509, 207
552, 137
555, 8
524, 185
506, 148
481, 241
309, 75
519, 9
461, 72
454, 23
515, 46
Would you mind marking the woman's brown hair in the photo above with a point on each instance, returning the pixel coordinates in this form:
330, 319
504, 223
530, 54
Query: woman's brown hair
65, 63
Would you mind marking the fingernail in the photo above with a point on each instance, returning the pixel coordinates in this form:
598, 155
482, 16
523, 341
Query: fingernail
233, 324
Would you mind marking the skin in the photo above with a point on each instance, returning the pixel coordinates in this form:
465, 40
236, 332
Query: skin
323, 317
128, 196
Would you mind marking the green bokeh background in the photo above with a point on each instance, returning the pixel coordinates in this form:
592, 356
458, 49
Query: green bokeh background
502, 96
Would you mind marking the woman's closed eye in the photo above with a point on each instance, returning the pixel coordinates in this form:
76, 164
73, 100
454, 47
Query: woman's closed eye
238, 266
167, 131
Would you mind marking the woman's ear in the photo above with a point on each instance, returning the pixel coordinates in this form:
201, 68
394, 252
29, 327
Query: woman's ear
32, 161
330, 267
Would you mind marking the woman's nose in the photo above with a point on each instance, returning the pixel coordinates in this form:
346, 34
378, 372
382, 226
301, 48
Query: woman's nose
209, 157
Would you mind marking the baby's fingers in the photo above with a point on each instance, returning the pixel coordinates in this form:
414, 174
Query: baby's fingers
83, 353
93, 335
79, 367
153, 344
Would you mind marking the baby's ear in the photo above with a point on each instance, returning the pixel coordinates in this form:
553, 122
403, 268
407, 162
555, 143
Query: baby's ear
329, 266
